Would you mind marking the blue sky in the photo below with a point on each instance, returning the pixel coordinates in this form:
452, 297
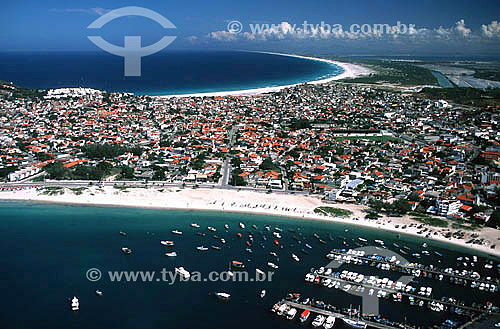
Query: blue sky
458, 26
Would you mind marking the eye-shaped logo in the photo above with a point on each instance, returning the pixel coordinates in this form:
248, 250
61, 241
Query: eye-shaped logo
132, 52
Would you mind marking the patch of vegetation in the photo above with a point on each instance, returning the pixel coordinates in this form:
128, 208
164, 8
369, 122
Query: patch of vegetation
107, 151
429, 220
53, 190
466, 96
466, 226
395, 73
371, 138
337, 212
78, 190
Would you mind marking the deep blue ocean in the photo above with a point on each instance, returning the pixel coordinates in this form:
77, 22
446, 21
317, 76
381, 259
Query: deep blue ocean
164, 73
48, 248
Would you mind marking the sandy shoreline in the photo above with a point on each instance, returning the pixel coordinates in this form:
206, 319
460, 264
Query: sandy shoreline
350, 71
246, 202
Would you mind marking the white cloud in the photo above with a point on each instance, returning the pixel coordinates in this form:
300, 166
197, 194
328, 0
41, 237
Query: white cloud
491, 30
92, 11
223, 36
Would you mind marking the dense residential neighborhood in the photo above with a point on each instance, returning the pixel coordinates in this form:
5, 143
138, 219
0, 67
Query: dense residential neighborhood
396, 152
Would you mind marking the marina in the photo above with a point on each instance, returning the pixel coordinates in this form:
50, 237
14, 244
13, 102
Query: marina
470, 278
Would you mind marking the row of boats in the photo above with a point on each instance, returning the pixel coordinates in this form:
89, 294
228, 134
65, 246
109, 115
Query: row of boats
463, 277
305, 312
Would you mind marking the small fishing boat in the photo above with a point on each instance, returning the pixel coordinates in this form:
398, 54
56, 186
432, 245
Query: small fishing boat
216, 248
249, 250
98, 292
380, 242
167, 243
177, 232
75, 304
200, 233
210, 228
362, 239
305, 315
272, 265
239, 235
273, 254
226, 226
195, 225
201, 248
262, 293
171, 254
242, 226
123, 233
182, 272
237, 264
254, 226
259, 271
308, 246
126, 250
223, 296
295, 258
222, 241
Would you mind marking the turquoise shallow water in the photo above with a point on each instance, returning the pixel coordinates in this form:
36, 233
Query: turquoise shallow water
165, 73
48, 248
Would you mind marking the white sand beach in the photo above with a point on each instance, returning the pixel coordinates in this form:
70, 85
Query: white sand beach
287, 205
350, 71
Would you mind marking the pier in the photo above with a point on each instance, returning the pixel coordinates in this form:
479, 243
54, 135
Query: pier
431, 272
338, 315
403, 293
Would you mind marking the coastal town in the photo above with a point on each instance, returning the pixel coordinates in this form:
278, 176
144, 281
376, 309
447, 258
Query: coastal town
393, 152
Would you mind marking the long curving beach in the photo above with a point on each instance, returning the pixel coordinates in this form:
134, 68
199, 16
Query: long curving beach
286, 205
349, 71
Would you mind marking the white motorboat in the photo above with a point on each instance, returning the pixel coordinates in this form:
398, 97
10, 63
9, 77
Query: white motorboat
262, 293
201, 248
168, 243
75, 304
195, 225
183, 272
223, 296
171, 254
98, 292
330, 321
295, 258
242, 225
177, 232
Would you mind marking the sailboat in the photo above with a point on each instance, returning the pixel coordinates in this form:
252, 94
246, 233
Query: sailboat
353, 323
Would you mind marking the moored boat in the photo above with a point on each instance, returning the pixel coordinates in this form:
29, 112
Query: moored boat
262, 293
216, 248
201, 248
242, 225
126, 250
305, 315
210, 228
98, 292
224, 296
177, 232
330, 321
295, 258
167, 243
183, 272
195, 225
237, 264
171, 254
272, 265
75, 304
357, 324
